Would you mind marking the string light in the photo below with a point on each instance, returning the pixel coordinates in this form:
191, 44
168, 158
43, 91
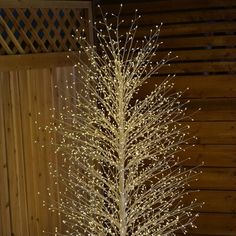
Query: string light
121, 173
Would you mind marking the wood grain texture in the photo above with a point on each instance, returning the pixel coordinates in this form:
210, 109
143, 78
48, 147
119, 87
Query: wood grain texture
27, 89
217, 197
170, 5
5, 217
223, 156
188, 29
216, 179
200, 55
206, 42
202, 34
215, 224
199, 67
200, 86
217, 109
170, 17
35, 27
214, 132
24, 163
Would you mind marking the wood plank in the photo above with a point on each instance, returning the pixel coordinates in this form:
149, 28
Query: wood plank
215, 201
177, 17
41, 4
215, 179
213, 109
198, 42
199, 55
199, 67
49, 148
209, 86
19, 154
62, 78
160, 6
187, 29
206, 110
212, 86
57, 75
44, 179
205, 42
36, 148
55, 161
217, 132
215, 224
5, 217
211, 178
196, 28
211, 155
216, 109
28, 144
200, 86
12, 160
41, 60
41, 159
204, 68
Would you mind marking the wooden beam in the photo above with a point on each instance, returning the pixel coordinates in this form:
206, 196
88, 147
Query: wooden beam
211, 155
39, 60
213, 201
200, 86
220, 179
177, 17
45, 4
215, 224
161, 6
194, 29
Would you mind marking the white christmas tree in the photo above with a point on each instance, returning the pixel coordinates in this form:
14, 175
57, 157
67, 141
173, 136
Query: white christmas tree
122, 176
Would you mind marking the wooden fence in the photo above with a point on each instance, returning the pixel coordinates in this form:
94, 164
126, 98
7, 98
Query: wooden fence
35, 39
202, 34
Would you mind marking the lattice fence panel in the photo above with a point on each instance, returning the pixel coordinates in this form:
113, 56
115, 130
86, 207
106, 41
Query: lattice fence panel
39, 30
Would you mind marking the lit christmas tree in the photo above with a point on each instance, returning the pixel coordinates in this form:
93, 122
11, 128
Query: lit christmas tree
121, 174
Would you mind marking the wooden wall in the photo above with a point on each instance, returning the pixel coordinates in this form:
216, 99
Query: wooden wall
24, 167
30, 66
202, 34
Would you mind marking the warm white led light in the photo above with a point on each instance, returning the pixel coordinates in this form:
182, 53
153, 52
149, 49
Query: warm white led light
121, 173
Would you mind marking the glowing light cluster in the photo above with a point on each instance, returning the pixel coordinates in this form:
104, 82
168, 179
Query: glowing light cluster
121, 174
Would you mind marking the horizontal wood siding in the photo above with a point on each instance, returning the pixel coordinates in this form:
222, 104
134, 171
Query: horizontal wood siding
202, 34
